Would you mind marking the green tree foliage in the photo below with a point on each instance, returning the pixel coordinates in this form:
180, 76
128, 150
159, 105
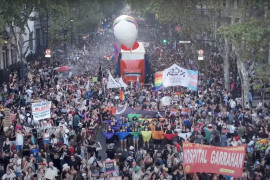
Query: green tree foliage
252, 36
262, 79
196, 18
53, 17
110, 7
249, 36
15, 14
69, 19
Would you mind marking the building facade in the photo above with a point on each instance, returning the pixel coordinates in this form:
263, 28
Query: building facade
14, 50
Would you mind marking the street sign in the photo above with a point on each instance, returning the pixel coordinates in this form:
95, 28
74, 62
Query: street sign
184, 42
200, 57
200, 52
47, 53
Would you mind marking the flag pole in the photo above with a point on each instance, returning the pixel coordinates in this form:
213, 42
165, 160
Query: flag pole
198, 84
103, 84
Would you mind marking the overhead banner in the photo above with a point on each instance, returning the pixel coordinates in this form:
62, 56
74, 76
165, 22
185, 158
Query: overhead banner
211, 159
41, 110
178, 76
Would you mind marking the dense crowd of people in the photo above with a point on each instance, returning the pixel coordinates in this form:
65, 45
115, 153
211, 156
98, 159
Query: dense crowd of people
65, 146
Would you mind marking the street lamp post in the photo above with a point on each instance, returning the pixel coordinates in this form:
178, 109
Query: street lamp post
71, 38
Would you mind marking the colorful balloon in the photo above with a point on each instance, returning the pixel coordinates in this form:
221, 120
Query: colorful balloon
125, 30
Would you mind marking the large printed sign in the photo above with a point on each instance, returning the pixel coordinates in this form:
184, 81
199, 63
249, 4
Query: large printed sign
7, 120
177, 76
41, 110
211, 159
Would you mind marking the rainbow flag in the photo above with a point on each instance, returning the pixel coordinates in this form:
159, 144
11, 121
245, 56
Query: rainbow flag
158, 81
110, 57
122, 95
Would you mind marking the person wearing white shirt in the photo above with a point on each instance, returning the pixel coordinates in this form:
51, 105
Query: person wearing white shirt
19, 141
232, 104
234, 142
91, 160
18, 162
9, 174
231, 130
45, 125
29, 92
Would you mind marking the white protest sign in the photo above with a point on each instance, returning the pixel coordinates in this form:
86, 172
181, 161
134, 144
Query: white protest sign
175, 76
41, 110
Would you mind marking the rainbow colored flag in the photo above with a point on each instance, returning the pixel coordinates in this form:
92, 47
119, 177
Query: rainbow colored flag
110, 57
158, 81
122, 95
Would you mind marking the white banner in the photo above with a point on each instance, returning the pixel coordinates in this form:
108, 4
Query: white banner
41, 110
112, 83
122, 83
175, 76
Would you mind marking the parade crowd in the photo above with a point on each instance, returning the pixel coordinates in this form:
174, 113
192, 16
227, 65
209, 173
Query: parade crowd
65, 146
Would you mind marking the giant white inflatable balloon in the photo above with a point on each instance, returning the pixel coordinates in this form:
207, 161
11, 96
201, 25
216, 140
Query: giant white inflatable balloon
125, 30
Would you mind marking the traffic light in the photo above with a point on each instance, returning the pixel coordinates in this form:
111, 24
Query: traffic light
164, 41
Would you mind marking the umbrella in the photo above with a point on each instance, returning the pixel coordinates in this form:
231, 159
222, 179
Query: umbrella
62, 68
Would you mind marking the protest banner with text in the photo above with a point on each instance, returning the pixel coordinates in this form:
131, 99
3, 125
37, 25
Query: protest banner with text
211, 159
109, 166
41, 110
7, 120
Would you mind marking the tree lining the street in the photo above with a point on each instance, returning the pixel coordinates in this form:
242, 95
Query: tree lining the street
238, 28
59, 21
